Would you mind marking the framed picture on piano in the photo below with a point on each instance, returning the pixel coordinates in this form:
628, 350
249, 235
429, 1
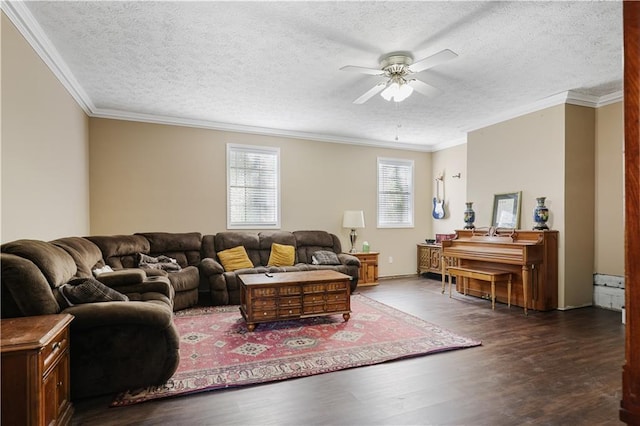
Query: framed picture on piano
506, 210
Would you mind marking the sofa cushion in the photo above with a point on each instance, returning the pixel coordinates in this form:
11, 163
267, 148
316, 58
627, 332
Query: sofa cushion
235, 258
250, 242
282, 255
267, 238
89, 290
325, 257
184, 247
25, 291
56, 265
85, 254
121, 251
309, 242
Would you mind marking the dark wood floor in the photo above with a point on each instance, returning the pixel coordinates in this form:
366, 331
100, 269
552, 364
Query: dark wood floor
552, 368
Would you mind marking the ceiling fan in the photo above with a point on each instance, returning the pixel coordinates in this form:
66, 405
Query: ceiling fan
398, 67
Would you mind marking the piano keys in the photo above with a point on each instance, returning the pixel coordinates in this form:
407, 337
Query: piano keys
531, 257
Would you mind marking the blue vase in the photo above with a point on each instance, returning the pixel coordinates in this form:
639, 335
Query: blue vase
540, 215
469, 216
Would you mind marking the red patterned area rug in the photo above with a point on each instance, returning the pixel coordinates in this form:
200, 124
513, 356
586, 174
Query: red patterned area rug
217, 351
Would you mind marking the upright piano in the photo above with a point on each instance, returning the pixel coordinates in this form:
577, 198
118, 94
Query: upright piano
531, 257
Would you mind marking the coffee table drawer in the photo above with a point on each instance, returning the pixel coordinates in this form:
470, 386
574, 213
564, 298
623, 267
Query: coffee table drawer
265, 314
336, 297
263, 292
337, 307
340, 286
290, 301
314, 288
313, 298
290, 290
290, 312
264, 304
313, 309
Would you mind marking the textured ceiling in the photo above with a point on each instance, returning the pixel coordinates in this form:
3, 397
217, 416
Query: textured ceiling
275, 66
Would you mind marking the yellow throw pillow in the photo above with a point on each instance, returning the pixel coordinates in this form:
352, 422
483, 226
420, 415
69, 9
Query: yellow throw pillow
234, 258
282, 255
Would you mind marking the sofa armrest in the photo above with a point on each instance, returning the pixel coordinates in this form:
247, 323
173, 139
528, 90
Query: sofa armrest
104, 314
122, 277
209, 267
157, 284
348, 259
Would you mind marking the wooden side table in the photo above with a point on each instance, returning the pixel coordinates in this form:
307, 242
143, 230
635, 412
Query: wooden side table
368, 268
35, 370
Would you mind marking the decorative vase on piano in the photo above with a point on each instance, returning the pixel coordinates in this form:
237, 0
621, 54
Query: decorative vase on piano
469, 216
540, 215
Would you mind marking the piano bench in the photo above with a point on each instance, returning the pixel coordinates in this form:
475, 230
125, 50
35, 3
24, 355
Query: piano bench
485, 274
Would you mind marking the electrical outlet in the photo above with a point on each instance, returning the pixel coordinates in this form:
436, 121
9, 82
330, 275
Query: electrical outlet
390, 259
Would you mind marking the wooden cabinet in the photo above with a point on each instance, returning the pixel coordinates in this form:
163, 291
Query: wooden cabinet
368, 268
429, 258
35, 370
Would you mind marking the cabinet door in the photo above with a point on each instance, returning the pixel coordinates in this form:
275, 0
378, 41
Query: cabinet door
50, 392
435, 260
63, 385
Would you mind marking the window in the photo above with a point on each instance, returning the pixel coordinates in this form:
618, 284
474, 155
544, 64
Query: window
253, 187
395, 193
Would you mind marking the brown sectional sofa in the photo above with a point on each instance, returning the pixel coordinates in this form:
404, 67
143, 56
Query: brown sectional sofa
117, 346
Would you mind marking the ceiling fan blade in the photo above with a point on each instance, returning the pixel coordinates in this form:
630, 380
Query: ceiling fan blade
433, 60
362, 70
423, 88
370, 93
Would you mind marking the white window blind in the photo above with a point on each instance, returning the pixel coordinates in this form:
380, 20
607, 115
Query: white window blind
253, 187
395, 193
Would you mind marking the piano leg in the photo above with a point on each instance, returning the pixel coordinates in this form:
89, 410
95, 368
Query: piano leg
525, 286
493, 295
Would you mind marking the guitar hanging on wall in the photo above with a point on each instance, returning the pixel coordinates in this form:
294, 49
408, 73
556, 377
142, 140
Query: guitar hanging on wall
438, 203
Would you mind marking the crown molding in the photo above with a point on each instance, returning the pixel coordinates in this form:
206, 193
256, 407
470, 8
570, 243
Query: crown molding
570, 97
449, 144
611, 98
26, 24
265, 131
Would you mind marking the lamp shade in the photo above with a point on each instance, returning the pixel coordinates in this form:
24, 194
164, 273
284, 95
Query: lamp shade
353, 219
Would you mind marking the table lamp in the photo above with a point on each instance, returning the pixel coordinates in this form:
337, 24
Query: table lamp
353, 219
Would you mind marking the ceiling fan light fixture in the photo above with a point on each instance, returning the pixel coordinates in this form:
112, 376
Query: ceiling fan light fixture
397, 91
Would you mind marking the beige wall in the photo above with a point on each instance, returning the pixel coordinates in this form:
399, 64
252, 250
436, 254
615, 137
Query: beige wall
150, 177
609, 169
449, 162
523, 154
45, 174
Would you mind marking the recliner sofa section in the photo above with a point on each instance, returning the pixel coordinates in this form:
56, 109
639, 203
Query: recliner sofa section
123, 251
115, 345
224, 285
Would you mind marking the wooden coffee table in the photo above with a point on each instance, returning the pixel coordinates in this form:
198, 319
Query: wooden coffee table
293, 295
